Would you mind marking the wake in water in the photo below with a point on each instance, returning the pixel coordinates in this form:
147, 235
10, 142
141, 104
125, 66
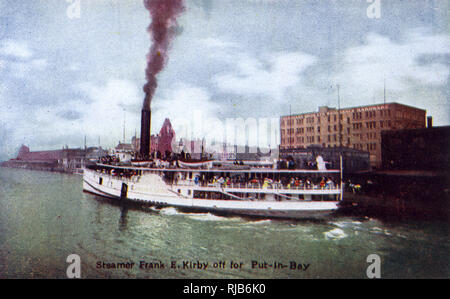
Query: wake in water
260, 222
344, 224
209, 217
169, 211
378, 230
356, 226
335, 234
197, 216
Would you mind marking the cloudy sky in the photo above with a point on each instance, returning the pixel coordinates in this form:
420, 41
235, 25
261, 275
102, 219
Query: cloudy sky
75, 68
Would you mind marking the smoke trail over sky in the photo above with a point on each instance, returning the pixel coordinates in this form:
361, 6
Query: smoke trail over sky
162, 29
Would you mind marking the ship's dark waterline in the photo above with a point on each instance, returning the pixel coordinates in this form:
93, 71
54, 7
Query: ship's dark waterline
45, 217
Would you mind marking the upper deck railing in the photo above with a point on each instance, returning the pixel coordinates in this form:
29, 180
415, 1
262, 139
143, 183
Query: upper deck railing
257, 186
218, 169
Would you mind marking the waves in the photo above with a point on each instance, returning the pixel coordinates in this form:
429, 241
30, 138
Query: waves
171, 211
346, 228
334, 230
336, 233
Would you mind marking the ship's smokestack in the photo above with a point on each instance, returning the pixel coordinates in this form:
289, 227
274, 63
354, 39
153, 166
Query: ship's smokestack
146, 120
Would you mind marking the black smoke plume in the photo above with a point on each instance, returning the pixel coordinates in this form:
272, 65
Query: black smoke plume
162, 29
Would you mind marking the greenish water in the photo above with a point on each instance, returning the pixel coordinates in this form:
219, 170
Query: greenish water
45, 217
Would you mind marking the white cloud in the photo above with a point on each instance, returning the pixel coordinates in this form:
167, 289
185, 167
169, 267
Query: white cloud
189, 108
74, 67
271, 76
16, 57
413, 69
216, 43
16, 49
109, 106
365, 67
22, 69
67, 121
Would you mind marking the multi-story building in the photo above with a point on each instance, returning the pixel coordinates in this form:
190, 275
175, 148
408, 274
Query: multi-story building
355, 127
417, 149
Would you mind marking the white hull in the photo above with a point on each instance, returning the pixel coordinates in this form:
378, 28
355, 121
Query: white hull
152, 190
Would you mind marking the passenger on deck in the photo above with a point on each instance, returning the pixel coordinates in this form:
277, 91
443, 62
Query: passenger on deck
329, 184
322, 183
221, 181
228, 182
308, 184
320, 163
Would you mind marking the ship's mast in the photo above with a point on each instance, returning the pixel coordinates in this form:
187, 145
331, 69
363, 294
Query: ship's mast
339, 118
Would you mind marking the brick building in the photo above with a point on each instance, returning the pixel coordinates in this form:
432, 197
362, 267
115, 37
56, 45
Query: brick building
165, 137
65, 159
355, 127
161, 142
417, 149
